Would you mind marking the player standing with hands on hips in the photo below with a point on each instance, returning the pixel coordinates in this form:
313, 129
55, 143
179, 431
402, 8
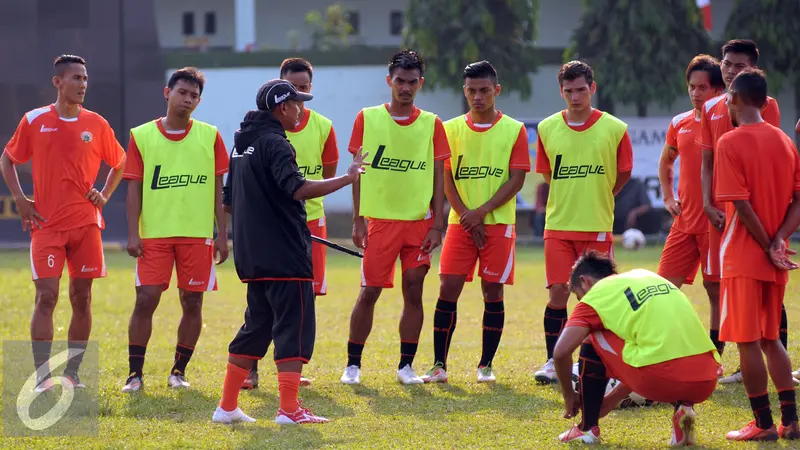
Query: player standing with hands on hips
272, 251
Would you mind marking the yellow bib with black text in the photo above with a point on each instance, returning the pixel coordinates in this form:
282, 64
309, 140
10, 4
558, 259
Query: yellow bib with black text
309, 145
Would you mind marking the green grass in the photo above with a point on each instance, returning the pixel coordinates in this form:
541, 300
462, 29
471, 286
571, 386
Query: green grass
514, 412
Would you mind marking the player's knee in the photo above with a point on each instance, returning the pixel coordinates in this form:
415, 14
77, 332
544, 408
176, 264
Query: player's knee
146, 302
559, 296
450, 288
46, 299
369, 295
492, 291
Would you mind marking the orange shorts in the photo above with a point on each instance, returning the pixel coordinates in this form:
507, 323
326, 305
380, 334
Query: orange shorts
193, 259
751, 310
82, 248
682, 255
318, 228
386, 241
650, 381
714, 242
560, 255
460, 254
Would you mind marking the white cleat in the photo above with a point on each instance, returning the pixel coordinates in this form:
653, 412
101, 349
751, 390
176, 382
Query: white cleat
133, 384
735, 377
177, 381
229, 417
406, 375
351, 375
45, 385
486, 375
547, 374
436, 374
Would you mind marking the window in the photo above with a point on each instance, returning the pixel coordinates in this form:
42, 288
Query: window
211, 23
354, 18
396, 23
188, 23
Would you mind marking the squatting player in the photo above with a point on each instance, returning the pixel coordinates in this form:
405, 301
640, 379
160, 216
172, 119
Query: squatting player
757, 177
686, 248
737, 55
317, 156
402, 196
586, 156
620, 328
175, 171
482, 178
67, 143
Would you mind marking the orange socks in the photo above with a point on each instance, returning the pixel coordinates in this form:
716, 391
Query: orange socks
288, 387
234, 378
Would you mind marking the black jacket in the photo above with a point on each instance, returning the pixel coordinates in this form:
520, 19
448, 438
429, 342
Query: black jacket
270, 236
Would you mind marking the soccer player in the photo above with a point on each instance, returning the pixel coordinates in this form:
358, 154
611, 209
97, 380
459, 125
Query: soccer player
67, 143
620, 328
317, 156
737, 55
175, 171
402, 196
482, 178
272, 251
758, 179
686, 248
586, 157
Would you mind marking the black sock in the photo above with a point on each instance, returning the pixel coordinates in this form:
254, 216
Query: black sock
444, 324
41, 354
761, 411
554, 320
788, 406
593, 381
182, 356
254, 369
784, 331
354, 351
407, 352
76, 350
714, 335
136, 359
494, 316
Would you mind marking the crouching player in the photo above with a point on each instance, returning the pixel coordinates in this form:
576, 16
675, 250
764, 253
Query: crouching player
620, 328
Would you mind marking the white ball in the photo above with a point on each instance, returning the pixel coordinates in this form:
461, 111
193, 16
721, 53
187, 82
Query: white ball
633, 239
576, 376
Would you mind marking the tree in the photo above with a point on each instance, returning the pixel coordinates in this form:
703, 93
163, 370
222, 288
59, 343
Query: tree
453, 33
331, 31
639, 48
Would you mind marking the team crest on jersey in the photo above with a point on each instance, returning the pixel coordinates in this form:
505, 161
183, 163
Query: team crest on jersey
86, 137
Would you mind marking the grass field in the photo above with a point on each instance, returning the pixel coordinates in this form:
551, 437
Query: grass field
514, 412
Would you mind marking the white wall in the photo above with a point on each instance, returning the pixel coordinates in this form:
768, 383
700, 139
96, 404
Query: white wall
169, 21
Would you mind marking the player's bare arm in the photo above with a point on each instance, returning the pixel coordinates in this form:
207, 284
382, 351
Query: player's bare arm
133, 209
454, 198
506, 193
100, 198
569, 341
778, 251
753, 224
221, 243
321, 188
666, 176
716, 216
359, 223
27, 210
622, 178
434, 237
329, 171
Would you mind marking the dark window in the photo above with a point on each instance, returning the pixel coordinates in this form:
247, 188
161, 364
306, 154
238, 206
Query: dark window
396, 23
354, 18
211, 22
188, 23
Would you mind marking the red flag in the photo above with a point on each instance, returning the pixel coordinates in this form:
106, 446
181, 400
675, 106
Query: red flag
705, 7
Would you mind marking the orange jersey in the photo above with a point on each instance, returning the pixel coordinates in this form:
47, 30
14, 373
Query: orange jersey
758, 163
714, 120
66, 156
682, 135
520, 159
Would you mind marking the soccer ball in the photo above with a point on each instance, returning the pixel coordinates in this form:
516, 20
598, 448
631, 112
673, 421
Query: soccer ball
635, 400
633, 239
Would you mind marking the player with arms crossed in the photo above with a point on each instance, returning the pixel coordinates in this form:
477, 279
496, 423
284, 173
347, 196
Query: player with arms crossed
402, 196
686, 248
174, 196
317, 156
67, 143
737, 55
482, 177
758, 179
620, 328
586, 156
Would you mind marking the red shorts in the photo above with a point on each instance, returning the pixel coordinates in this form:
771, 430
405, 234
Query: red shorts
193, 259
560, 255
714, 242
751, 310
682, 255
388, 239
460, 254
82, 248
658, 382
318, 228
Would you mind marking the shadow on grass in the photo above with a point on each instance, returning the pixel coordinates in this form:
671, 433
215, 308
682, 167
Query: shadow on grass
293, 436
180, 405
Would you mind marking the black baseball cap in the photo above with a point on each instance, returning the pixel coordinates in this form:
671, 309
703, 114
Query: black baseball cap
276, 91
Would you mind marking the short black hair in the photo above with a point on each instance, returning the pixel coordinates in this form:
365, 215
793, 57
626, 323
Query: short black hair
708, 64
188, 74
574, 69
406, 59
296, 65
480, 69
745, 46
594, 264
61, 63
751, 86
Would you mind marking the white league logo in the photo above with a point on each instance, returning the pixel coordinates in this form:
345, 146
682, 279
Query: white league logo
27, 395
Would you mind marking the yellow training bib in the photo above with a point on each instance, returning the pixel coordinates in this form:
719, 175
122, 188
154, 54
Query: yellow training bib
309, 144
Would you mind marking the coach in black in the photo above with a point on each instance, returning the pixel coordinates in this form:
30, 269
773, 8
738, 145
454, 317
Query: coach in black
265, 193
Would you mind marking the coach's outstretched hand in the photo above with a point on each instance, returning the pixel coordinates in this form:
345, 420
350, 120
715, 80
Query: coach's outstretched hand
779, 254
357, 166
135, 246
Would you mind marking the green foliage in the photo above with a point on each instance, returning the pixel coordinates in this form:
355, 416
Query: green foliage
639, 48
331, 31
453, 33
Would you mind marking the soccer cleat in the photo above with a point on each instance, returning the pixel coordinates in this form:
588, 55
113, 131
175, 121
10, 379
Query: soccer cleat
305, 381
406, 375
485, 375
436, 374
251, 382
44, 384
177, 381
683, 426
351, 375
73, 379
134, 383
547, 374
575, 434
302, 415
229, 417
751, 432
796, 374
735, 377
791, 431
